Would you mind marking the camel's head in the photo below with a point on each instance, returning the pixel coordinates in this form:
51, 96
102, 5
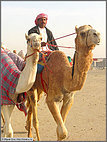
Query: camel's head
34, 41
87, 38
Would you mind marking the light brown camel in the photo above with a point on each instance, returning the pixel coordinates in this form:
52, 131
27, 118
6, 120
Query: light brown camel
64, 80
25, 81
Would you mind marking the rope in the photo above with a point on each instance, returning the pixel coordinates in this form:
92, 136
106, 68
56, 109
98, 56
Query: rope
62, 37
43, 83
59, 46
52, 45
45, 62
31, 54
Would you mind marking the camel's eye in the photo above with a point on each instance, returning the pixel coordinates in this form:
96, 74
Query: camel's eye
82, 34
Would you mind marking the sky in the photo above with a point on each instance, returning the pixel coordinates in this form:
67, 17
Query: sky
17, 17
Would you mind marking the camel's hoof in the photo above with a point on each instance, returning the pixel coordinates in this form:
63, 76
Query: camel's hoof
61, 133
61, 138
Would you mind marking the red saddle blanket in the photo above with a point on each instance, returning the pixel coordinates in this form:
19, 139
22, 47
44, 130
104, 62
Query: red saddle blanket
9, 79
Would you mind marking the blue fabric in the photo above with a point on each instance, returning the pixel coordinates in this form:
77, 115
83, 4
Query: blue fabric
39, 68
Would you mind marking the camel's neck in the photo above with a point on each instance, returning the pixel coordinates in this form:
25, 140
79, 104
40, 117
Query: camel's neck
28, 75
81, 67
82, 62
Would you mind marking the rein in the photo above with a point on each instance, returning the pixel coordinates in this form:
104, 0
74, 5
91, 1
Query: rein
59, 46
62, 37
51, 45
42, 81
31, 54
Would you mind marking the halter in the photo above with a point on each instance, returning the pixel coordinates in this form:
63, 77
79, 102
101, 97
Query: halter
35, 50
77, 53
87, 38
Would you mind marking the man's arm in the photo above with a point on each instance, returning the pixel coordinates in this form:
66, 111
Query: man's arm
51, 40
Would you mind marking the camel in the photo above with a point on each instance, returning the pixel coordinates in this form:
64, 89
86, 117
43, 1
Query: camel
21, 54
26, 79
62, 83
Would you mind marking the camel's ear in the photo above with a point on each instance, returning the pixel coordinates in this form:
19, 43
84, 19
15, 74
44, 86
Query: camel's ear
90, 26
76, 29
26, 36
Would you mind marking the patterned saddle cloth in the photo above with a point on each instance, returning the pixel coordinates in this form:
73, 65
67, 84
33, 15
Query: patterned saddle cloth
9, 79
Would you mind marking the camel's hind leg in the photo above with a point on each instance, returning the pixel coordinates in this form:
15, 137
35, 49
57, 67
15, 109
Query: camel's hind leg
67, 103
33, 101
2, 118
29, 120
54, 109
7, 111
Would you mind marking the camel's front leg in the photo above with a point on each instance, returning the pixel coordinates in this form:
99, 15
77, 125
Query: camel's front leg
7, 111
54, 109
33, 102
3, 121
67, 103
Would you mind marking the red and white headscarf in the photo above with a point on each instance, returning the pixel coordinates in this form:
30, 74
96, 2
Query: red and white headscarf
41, 16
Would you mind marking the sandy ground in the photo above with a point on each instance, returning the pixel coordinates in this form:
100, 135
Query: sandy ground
86, 120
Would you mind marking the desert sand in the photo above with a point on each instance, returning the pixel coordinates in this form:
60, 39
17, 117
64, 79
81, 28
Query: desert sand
86, 120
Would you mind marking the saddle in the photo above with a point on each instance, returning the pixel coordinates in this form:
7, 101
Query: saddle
43, 58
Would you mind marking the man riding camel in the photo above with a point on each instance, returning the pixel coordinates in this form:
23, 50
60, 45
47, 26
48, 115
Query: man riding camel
47, 36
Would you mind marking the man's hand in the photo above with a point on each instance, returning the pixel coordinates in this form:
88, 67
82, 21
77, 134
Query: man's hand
43, 44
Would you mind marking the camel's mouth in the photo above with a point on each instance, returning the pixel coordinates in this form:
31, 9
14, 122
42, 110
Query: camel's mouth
98, 43
37, 45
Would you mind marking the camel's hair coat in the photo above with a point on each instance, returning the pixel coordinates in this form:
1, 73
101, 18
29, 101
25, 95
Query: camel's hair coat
25, 82
61, 83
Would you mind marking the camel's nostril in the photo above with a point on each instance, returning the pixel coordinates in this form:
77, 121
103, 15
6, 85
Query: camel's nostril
99, 41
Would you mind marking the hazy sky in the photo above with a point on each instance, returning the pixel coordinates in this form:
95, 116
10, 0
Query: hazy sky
17, 17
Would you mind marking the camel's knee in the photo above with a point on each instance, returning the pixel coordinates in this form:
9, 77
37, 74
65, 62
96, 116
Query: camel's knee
61, 133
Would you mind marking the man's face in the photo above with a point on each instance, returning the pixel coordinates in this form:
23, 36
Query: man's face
42, 22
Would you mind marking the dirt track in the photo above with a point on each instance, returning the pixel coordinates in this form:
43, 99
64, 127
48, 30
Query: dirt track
86, 120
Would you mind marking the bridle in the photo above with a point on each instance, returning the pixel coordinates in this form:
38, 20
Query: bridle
35, 50
87, 38
77, 53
